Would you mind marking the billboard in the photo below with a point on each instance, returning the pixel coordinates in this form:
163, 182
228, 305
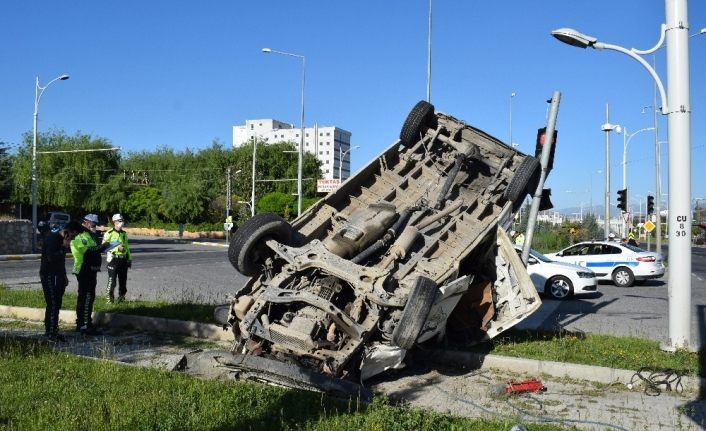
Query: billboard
327, 185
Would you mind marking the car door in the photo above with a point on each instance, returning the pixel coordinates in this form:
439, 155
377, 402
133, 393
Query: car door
576, 254
602, 259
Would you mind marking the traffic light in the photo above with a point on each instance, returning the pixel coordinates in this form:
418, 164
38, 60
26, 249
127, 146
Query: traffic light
540, 143
650, 204
623, 199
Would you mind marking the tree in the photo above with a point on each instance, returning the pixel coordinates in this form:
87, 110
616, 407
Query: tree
5, 172
144, 205
279, 203
64, 179
590, 228
183, 201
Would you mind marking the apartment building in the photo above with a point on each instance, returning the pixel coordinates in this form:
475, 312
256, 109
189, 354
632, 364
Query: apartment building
328, 143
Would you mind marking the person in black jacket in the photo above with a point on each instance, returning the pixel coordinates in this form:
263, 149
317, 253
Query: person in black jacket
52, 273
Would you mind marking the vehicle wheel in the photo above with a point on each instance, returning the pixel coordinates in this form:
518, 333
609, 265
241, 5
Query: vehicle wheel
623, 277
418, 117
559, 287
221, 314
415, 313
524, 181
247, 251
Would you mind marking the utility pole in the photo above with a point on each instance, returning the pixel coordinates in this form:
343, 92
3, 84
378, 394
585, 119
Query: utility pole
229, 196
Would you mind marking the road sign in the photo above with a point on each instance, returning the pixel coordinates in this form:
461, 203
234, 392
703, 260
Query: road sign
649, 226
626, 217
327, 185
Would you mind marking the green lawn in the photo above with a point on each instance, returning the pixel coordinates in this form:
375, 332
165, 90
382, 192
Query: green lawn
42, 389
180, 311
604, 350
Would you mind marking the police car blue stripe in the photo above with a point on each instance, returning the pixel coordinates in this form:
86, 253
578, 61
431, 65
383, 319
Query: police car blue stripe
609, 264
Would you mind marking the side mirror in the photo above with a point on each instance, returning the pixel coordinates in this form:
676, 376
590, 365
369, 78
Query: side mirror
531, 260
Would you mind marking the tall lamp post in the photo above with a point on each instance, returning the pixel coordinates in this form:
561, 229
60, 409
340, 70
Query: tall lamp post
38, 91
300, 164
340, 160
626, 141
678, 113
607, 128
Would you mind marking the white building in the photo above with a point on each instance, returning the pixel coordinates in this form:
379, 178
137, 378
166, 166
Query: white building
327, 143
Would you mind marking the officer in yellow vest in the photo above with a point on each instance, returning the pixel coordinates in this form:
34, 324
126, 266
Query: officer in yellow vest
87, 263
631, 239
119, 258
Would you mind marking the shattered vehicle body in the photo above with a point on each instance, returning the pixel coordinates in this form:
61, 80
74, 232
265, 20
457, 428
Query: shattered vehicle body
410, 249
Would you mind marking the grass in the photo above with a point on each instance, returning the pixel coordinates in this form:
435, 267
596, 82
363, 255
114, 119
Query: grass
591, 349
180, 311
43, 389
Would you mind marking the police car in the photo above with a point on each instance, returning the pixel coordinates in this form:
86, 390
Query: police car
560, 280
622, 264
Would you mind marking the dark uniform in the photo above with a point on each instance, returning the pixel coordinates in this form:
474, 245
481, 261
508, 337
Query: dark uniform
52, 273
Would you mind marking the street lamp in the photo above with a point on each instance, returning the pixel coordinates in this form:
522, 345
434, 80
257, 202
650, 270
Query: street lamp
607, 128
678, 111
626, 141
340, 160
38, 91
300, 164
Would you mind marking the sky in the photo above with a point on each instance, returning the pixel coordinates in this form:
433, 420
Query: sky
181, 74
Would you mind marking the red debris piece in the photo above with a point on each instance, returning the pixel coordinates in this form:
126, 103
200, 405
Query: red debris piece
531, 385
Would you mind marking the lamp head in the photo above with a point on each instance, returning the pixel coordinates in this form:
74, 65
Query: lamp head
266, 50
574, 38
63, 77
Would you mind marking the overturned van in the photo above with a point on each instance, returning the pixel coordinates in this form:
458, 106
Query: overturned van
411, 249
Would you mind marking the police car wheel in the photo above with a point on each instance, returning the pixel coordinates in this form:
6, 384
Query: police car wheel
623, 277
560, 287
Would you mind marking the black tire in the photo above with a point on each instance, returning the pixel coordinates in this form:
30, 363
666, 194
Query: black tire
418, 117
524, 181
623, 277
221, 314
415, 313
559, 287
247, 251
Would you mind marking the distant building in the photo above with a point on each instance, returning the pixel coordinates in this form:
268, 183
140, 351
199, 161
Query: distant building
327, 143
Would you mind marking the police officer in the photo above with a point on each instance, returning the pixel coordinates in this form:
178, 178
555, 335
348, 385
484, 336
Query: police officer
87, 263
631, 239
119, 259
52, 273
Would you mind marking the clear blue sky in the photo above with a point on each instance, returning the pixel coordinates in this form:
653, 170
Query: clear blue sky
180, 74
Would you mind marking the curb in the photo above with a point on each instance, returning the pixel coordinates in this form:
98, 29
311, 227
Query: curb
6, 257
211, 244
456, 358
593, 373
153, 324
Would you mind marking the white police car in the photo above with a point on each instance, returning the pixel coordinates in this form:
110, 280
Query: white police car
559, 280
621, 263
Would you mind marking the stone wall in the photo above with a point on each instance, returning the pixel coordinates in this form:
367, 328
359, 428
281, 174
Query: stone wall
15, 237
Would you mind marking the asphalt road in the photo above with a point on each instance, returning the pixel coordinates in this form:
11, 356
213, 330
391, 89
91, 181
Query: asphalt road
163, 269
182, 271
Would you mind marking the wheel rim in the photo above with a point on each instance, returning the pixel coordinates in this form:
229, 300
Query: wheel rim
622, 278
560, 288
